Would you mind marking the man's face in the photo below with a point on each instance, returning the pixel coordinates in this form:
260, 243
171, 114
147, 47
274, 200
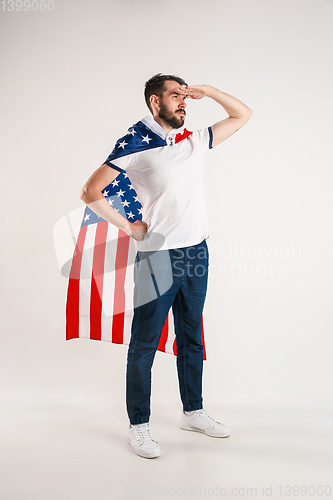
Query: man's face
172, 105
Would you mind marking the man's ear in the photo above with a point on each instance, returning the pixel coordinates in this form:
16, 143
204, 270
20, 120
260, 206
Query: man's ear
154, 101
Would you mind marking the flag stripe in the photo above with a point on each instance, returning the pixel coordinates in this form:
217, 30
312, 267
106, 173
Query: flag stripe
85, 281
97, 281
119, 293
73, 292
108, 287
164, 335
129, 291
171, 333
203, 342
174, 346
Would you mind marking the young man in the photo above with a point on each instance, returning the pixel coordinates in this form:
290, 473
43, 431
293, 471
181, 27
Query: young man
164, 163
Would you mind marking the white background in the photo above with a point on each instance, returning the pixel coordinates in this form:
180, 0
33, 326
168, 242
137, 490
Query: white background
72, 83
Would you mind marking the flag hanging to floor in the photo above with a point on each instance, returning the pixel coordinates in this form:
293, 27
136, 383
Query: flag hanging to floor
101, 281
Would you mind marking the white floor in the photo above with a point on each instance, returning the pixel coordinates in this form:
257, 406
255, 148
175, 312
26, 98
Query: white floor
61, 449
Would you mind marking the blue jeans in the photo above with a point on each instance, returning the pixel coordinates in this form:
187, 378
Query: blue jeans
162, 279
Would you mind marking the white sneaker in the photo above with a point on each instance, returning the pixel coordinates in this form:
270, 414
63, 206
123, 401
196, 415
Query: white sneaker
200, 421
142, 442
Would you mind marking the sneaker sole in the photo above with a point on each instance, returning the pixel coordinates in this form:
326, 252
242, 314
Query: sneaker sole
142, 453
196, 429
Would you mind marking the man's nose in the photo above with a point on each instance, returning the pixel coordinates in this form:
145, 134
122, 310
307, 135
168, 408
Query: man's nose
182, 104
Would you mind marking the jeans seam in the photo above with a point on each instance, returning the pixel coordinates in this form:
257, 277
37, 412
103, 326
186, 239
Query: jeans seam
184, 355
133, 345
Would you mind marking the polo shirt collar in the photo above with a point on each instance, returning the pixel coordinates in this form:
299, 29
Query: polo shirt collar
156, 127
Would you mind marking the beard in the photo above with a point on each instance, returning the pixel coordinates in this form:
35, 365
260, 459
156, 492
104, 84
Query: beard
175, 120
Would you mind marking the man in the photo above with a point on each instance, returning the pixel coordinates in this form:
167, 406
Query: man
164, 163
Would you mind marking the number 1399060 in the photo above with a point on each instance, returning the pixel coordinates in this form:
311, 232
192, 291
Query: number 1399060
26, 5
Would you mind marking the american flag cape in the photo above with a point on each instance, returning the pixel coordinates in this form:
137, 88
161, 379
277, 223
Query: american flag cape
101, 280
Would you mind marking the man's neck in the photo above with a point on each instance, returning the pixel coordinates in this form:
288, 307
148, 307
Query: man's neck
163, 124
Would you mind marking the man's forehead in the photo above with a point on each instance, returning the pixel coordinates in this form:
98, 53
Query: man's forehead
171, 86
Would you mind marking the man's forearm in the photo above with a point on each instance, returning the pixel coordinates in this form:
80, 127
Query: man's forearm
234, 107
101, 207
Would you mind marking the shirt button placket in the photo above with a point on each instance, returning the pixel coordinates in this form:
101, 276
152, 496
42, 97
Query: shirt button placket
170, 140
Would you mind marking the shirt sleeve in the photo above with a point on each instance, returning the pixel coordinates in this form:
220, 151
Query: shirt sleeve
204, 137
122, 163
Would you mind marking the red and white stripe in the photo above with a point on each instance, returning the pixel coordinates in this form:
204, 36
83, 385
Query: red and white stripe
99, 298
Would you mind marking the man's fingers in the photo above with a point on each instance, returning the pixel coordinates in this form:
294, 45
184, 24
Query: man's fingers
139, 229
188, 92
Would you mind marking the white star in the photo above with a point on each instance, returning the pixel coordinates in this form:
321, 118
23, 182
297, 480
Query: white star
105, 193
131, 132
125, 203
122, 144
131, 215
146, 139
115, 183
116, 209
120, 193
130, 186
110, 201
86, 217
125, 175
140, 210
136, 199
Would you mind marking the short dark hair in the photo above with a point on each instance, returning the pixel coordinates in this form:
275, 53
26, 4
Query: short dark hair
155, 85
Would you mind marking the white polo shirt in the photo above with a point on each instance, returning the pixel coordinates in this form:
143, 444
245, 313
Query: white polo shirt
168, 178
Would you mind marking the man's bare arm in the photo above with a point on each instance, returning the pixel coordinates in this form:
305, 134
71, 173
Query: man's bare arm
238, 112
92, 196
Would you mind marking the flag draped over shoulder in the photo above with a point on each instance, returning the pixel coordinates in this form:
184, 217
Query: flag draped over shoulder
101, 281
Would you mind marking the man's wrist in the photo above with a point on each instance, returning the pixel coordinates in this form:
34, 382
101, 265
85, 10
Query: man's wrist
210, 91
127, 227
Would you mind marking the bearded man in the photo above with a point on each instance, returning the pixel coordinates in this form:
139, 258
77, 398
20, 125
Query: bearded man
165, 165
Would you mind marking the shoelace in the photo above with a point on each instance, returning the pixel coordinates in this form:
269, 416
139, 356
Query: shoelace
207, 417
144, 433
